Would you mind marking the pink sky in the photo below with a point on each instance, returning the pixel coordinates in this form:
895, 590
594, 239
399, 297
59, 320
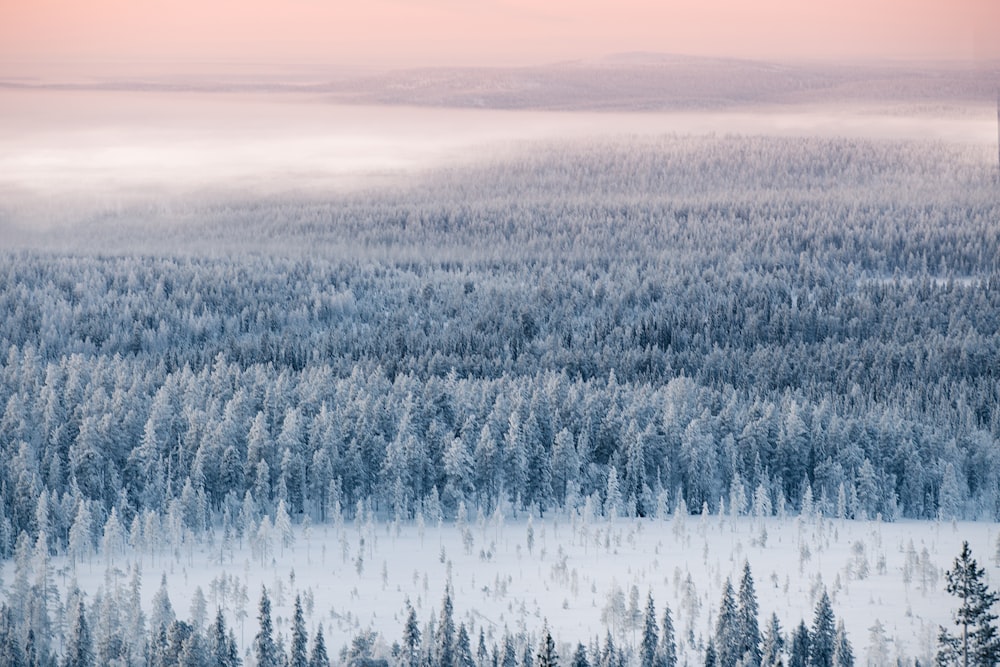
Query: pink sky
419, 32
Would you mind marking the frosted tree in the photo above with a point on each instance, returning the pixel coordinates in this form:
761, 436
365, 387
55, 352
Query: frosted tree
580, 657
612, 496
727, 629
113, 540
748, 651
666, 649
265, 650
318, 656
79, 646
411, 637
463, 648
978, 642
822, 634
843, 653
444, 641
650, 635
878, 645
162, 612
299, 655
80, 536
283, 526
199, 609
799, 653
221, 649
547, 656
773, 648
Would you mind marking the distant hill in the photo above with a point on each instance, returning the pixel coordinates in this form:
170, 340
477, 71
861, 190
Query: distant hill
634, 81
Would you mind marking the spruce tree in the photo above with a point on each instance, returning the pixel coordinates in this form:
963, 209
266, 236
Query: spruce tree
547, 656
666, 651
799, 655
774, 644
727, 630
748, 628
80, 648
711, 659
411, 637
463, 648
822, 635
580, 657
318, 657
300, 655
444, 644
650, 635
843, 653
977, 643
264, 648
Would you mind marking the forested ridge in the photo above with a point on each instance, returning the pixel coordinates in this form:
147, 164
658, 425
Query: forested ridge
711, 320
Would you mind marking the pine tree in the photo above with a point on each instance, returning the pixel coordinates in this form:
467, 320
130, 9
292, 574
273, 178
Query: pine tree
547, 651
746, 614
799, 655
411, 637
264, 648
978, 643
822, 635
727, 638
445, 640
650, 635
843, 653
318, 657
580, 657
773, 645
463, 648
711, 658
666, 651
80, 647
300, 656
222, 644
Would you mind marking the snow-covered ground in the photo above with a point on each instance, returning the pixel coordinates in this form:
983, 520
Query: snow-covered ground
517, 573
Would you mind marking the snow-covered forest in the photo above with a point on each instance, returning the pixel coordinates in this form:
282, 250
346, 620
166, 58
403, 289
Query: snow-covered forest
631, 329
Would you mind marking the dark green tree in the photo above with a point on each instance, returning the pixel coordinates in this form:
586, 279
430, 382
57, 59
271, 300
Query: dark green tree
727, 630
411, 637
822, 635
580, 657
666, 652
977, 643
547, 656
264, 648
300, 641
650, 635
746, 615
318, 657
799, 655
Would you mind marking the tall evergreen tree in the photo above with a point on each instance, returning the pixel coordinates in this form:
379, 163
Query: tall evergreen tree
746, 614
977, 643
727, 630
547, 656
843, 653
773, 645
650, 635
666, 651
798, 656
711, 657
411, 637
822, 635
444, 644
463, 648
80, 646
318, 657
300, 655
580, 657
264, 647
222, 644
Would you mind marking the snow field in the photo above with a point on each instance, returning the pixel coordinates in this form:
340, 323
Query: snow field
581, 577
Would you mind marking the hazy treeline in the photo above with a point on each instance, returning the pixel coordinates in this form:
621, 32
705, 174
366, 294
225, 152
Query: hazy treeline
754, 322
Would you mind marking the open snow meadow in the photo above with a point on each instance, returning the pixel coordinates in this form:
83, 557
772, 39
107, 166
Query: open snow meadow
644, 361
583, 576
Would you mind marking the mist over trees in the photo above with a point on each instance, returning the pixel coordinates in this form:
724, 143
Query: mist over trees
765, 326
